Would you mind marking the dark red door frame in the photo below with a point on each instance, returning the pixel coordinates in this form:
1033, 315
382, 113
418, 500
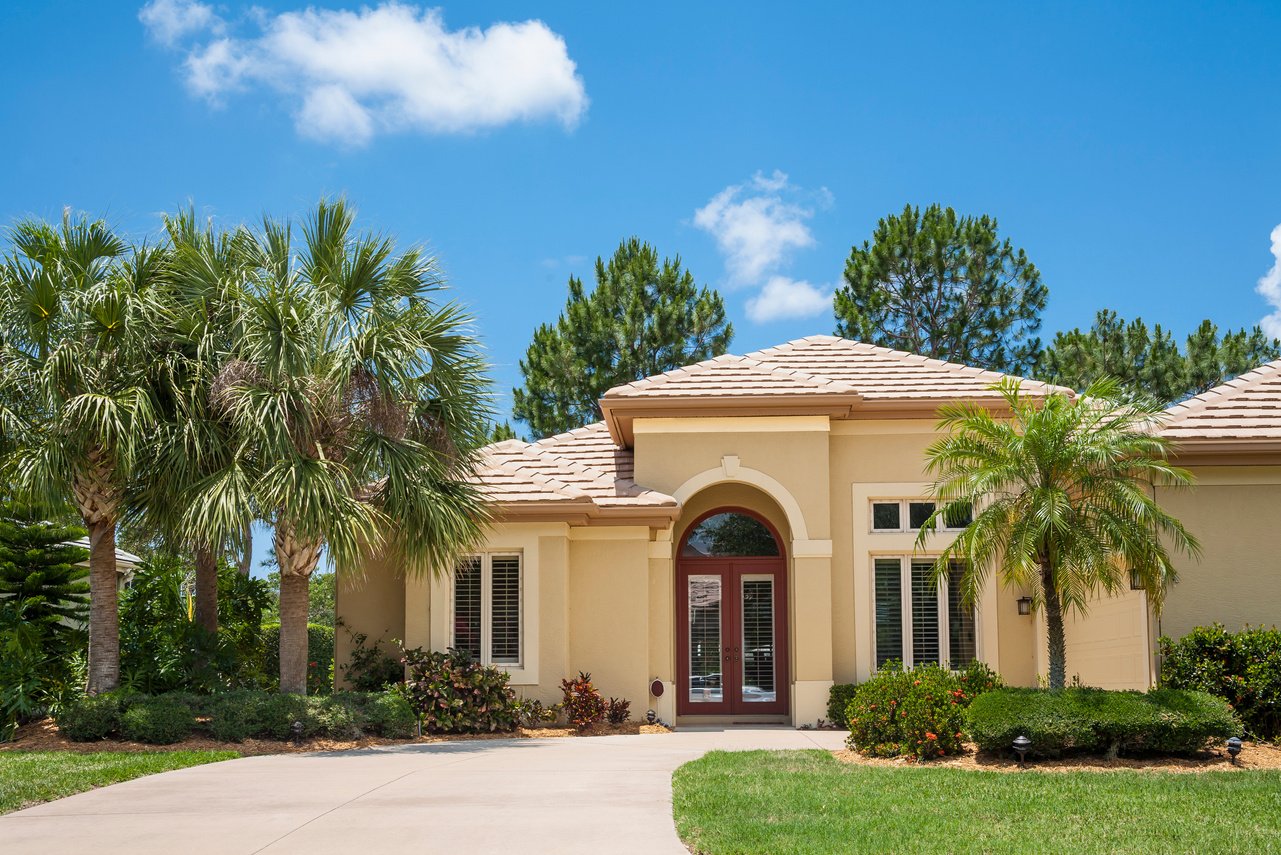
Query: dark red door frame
731, 572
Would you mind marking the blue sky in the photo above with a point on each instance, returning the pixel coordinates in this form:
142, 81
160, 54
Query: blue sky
1132, 149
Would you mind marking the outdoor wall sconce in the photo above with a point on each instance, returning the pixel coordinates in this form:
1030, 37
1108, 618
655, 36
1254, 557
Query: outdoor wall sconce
1025, 605
1021, 745
1234, 748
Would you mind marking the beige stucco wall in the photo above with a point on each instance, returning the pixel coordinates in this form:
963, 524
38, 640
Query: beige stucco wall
1235, 511
609, 610
373, 604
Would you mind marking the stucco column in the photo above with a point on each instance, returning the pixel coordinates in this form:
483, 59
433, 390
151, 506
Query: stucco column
811, 630
662, 629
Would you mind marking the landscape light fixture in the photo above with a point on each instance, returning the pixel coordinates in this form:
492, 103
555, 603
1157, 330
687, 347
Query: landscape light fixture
296, 730
1025, 605
651, 716
1021, 745
1234, 748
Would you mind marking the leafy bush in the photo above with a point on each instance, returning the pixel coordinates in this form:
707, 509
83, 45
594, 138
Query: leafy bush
618, 710
1243, 668
583, 704
918, 713
369, 668
531, 712
838, 699
90, 718
1094, 721
160, 721
163, 649
389, 714
453, 694
320, 657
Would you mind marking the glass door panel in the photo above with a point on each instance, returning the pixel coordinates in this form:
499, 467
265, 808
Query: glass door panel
759, 683
706, 675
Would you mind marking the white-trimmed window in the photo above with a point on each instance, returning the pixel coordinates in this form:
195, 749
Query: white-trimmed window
487, 608
917, 622
890, 515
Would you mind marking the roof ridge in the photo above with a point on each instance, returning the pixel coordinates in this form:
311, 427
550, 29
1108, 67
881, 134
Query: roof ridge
918, 358
563, 436
748, 361
1225, 391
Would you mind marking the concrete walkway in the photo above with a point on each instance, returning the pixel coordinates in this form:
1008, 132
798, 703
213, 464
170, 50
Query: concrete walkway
605, 794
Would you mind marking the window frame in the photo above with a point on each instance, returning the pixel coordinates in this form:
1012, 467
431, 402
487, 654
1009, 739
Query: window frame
905, 514
905, 613
487, 606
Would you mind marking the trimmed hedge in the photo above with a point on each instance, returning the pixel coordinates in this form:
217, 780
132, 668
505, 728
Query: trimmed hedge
238, 715
320, 656
1243, 668
838, 699
1097, 721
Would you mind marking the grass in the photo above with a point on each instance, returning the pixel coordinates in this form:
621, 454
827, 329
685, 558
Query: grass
776, 802
31, 777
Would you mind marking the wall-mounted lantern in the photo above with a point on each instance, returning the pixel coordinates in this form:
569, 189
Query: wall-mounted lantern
1025, 605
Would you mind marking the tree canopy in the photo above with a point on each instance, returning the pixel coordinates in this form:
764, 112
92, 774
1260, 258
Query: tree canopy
644, 317
944, 286
1151, 361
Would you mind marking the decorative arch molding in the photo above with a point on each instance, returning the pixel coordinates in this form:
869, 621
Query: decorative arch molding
731, 472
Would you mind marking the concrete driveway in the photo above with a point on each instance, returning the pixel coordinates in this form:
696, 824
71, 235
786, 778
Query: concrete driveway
604, 794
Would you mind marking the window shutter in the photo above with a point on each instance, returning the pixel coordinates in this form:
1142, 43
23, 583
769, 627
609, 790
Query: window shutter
889, 610
925, 614
467, 585
504, 614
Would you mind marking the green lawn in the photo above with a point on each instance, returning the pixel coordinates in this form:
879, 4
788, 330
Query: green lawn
774, 802
30, 777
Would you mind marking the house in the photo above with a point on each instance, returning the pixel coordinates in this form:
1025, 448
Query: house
737, 535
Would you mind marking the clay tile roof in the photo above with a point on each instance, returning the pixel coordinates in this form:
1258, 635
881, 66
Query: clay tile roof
581, 466
1247, 407
879, 373
729, 375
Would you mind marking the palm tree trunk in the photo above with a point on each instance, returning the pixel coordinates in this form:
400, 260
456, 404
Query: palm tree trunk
206, 588
104, 608
247, 557
1057, 640
296, 558
294, 596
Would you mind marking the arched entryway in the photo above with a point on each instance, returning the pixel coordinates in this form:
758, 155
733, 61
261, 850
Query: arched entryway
731, 600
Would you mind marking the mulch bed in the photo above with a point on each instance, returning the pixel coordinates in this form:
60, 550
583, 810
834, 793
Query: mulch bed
44, 736
1255, 755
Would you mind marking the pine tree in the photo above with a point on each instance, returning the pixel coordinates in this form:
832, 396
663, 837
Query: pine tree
40, 567
944, 286
643, 317
1151, 362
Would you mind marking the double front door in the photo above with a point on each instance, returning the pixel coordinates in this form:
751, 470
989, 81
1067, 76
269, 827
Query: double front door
731, 636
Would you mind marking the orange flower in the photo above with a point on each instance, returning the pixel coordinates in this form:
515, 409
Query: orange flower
929, 735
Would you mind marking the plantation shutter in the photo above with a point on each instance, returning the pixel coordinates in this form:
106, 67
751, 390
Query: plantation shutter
960, 621
504, 614
889, 610
925, 613
467, 587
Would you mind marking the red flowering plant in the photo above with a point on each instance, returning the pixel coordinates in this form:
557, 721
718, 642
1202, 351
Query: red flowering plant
915, 713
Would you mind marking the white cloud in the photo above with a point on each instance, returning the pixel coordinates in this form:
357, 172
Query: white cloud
756, 225
783, 299
348, 76
1270, 287
168, 21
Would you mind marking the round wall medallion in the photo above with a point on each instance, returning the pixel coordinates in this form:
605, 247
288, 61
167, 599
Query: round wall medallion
656, 688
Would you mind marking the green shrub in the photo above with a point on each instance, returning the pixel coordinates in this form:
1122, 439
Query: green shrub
1095, 721
158, 721
583, 704
90, 718
919, 712
276, 713
369, 668
1243, 668
531, 712
452, 694
838, 700
234, 716
390, 715
320, 657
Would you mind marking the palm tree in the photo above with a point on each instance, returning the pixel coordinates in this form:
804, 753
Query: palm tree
79, 313
192, 444
1063, 493
364, 400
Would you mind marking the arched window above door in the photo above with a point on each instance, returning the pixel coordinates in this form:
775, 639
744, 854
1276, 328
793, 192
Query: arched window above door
730, 534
